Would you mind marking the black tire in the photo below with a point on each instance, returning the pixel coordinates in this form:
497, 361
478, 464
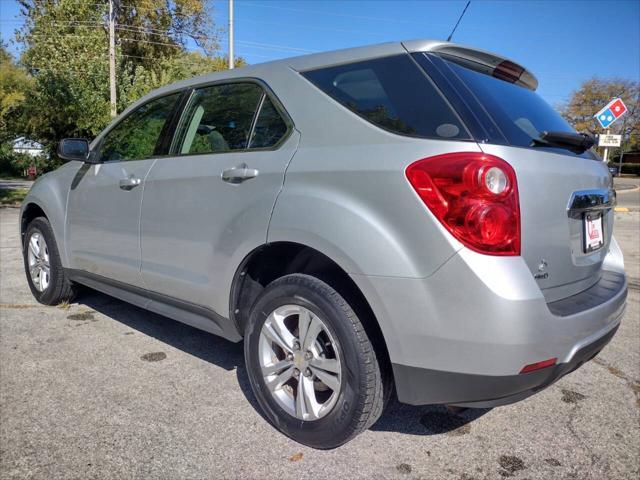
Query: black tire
60, 287
362, 393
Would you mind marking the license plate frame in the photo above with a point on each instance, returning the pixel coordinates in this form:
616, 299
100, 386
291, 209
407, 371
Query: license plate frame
592, 232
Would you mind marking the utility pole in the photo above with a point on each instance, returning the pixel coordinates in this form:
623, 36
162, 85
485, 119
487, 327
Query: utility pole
231, 63
112, 59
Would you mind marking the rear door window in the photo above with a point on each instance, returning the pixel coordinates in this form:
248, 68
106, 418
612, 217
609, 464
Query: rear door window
392, 93
218, 118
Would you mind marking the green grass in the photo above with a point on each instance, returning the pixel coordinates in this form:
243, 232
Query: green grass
12, 197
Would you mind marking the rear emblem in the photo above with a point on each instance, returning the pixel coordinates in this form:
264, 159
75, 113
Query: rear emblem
541, 275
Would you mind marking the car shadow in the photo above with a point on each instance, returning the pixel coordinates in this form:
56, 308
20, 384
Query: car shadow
427, 419
203, 345
397, 417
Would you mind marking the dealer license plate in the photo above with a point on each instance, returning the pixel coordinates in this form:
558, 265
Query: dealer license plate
593, 233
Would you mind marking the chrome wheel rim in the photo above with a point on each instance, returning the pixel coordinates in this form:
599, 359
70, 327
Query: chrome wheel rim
300, 362
38, 259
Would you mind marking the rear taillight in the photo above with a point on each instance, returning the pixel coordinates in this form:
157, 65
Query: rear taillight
475, 196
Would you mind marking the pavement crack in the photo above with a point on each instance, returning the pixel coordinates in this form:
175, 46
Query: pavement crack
575, 407
18, 306
633, 385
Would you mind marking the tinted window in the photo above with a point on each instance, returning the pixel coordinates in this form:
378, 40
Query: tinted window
218, 118
392, 93
269, 128
520, 113
137, 135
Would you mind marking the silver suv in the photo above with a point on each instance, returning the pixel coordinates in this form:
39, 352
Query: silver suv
407, 215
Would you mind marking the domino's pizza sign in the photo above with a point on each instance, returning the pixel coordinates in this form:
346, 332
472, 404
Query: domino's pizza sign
609, 114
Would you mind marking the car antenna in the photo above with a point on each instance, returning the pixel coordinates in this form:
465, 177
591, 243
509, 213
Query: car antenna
458, 22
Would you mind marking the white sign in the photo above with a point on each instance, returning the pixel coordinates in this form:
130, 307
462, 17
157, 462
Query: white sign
609, 140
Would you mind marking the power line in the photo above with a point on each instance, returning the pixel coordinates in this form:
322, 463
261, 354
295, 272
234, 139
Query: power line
246, 44
311, 27
334, 14
169, 33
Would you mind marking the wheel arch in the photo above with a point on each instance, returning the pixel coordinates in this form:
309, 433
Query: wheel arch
30, 211
271, 261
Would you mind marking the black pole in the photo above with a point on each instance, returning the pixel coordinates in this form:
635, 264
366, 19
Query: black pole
458, 22
624, 124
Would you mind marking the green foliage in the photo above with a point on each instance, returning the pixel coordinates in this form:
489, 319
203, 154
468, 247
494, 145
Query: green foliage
381, 117
66, 53
136, 136
12, 197
14, 164
7, 165
141, 80
14, 85
627, 168
64, 61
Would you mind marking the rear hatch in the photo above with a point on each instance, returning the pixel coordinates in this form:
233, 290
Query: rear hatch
565, 196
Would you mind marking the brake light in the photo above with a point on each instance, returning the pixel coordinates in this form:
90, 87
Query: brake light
508, 71
475, 196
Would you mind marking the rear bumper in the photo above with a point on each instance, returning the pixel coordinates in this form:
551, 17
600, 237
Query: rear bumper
418, 386
463, 335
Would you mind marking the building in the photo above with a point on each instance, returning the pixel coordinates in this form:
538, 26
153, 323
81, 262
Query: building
30, 147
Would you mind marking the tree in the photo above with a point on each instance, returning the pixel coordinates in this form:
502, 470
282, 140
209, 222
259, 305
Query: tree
14, 85
142, 80
66, 50
595, 94
150, 29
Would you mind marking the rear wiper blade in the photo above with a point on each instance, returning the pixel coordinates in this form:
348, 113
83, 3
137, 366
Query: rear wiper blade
576, 142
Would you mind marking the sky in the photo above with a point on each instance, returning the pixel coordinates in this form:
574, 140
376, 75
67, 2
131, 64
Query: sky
562, 42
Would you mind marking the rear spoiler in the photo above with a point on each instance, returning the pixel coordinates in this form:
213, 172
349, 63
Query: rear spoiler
479, 60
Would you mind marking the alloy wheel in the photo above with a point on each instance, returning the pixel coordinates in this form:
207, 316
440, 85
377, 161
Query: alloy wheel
38, 258
300, 362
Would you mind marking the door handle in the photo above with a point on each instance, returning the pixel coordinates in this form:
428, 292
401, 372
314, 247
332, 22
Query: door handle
129, 183
239, 174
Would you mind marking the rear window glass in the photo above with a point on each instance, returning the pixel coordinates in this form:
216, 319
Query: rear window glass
393, 94
521, 114
269, 128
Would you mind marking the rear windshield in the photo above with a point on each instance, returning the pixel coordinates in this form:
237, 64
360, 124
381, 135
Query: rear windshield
521, 114
392, 93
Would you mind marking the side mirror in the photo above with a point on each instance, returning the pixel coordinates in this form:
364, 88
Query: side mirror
73, 149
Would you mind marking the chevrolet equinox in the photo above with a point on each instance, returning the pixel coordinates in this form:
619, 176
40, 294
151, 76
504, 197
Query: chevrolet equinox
407, 216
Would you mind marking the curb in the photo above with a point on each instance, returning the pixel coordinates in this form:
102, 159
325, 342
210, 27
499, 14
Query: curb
626, 190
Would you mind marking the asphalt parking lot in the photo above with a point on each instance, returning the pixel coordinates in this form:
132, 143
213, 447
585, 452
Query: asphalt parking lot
102, 389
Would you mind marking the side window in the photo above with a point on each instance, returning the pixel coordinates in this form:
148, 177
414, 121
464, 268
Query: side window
136, 136
218, 118
269, 128
392, 93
